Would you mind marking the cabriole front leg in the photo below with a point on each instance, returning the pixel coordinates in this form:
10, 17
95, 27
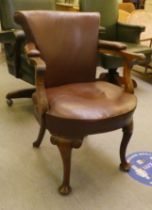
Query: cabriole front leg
127, 133
65, 147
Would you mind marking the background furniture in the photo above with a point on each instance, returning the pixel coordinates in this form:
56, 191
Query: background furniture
142, 17
13, 38
66, 7
139, 4
69, 102
125, 9
148, 5
128, 6
115, 31
123, 16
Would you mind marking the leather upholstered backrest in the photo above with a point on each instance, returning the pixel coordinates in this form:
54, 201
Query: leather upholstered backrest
8, 8
67, 42
109, 14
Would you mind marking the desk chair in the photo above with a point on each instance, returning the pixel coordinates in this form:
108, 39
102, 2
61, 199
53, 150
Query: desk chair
115, 31
142, 17
13, 39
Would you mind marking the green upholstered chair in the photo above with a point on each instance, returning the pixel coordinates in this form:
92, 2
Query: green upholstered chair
13, 38
115, 31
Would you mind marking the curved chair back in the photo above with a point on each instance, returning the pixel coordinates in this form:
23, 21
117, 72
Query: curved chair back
71, 57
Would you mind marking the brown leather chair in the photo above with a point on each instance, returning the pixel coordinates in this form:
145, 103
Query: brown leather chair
69, 101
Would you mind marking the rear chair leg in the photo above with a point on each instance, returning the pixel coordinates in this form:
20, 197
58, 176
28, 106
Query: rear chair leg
42, 130
127, 133
65, 147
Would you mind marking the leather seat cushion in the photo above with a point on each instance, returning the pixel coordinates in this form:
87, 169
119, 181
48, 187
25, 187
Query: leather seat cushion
89, 101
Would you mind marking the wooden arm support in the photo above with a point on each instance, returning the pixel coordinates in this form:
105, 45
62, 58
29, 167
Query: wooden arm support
117, 48
40, 67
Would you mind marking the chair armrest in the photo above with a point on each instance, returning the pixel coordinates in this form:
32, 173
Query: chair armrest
146, 40
19, 34
40, 68
129, 33
111, 45
128, 59
31, 51
11, 36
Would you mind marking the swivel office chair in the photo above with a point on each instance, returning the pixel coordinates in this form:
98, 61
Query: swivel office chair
115, 31
13, 39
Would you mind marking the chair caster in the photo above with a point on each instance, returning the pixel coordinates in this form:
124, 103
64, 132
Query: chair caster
36, 144
65, 190
9, 102
125, 167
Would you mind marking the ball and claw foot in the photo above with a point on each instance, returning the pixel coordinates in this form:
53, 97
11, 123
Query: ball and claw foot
125, 167
65, 190
36, 144
9, 102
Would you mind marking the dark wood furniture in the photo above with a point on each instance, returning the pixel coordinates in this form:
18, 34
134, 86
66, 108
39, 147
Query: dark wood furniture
69, 101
